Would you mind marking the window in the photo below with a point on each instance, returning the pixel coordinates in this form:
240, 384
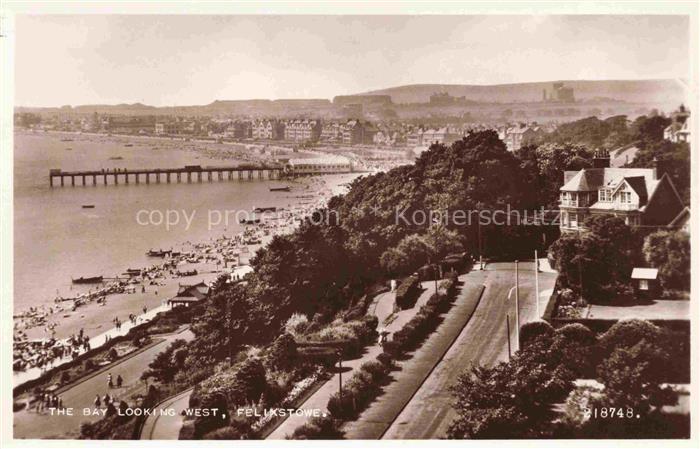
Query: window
625, 197
604, 195
574, 220
644, 284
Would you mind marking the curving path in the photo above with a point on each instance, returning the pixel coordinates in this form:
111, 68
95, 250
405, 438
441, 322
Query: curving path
167, 427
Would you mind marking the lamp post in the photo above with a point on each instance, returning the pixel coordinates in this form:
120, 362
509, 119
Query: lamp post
340, 376
537, 285
508, 335
517, 308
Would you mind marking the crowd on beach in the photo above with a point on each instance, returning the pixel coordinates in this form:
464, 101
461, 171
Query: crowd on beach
44, 352
225, 253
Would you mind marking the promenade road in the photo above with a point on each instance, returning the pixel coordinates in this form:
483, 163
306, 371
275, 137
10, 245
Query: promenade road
482, 341
30, 424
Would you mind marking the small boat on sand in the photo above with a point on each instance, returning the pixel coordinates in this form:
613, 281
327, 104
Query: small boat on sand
88, 206
158, 253
88, 280
264, 209
280, 189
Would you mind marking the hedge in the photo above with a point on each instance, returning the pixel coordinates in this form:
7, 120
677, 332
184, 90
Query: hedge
359, 391
407, 292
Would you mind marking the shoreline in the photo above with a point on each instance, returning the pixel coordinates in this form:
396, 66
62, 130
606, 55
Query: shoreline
237, 150
94, 321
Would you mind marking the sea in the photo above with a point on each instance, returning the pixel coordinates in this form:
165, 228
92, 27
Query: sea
56, 239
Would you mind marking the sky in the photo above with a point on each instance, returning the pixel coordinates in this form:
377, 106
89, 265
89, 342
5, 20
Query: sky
187, 60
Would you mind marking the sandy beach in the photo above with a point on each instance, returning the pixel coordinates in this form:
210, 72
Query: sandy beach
96, 318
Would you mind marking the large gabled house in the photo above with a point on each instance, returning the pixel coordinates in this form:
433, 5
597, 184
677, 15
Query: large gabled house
642, 196
679, 129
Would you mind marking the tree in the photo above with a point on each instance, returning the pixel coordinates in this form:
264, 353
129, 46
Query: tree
672, 157
628, 333
573, 346
283, 352
415, 250
534, 330
649, 129
510, 400
250, 381
167, 363
411, 253
230, 320
633, 376
669, 251
596, 263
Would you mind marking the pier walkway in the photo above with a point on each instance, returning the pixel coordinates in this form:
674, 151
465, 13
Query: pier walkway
188, 173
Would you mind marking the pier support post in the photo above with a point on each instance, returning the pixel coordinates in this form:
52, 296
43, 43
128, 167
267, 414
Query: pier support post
167, 177
104, 179
230, 175
83, 180
177, 175
240, 175
62, 181
72, 181
148, 178
126, 178
116, 179
199, 176
189, 177
157, 178
209, 176
50, 181
220, 174
138, 178
94, 180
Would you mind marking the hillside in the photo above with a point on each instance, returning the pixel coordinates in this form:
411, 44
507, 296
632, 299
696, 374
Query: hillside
632, 91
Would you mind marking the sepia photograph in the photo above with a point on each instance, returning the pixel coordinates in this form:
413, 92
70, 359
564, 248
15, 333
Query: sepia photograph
237, 221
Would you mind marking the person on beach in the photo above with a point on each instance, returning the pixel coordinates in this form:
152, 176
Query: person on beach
97, 401
109, 380
105, 399
120, 381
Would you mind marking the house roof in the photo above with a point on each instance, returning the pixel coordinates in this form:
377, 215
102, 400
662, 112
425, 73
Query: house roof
681, 219
591, 179
196, 292
645, 273
638, 184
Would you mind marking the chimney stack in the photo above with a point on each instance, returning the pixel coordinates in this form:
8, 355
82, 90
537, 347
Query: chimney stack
660, 168
601, 159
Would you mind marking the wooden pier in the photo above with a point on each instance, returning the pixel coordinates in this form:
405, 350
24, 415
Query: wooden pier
188, 173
